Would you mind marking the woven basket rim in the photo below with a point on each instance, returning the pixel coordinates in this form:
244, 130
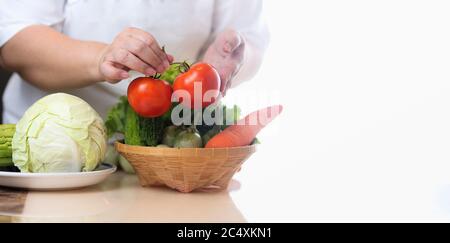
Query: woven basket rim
185, 169
145, 150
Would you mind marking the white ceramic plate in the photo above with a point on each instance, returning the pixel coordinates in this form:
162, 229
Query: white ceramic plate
56, 181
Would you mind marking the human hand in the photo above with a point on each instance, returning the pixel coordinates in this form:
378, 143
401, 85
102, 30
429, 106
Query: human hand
132, 49
226, 54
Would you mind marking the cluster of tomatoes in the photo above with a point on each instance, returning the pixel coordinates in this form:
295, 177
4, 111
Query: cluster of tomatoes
152, 97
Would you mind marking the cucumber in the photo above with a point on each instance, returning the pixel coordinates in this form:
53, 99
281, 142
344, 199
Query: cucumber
5, 162
5, 153
132, 133
151, 130
5, 146
5, 140
7, 131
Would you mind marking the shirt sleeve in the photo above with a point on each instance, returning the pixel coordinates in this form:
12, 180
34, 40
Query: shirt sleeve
243, 16
16, 15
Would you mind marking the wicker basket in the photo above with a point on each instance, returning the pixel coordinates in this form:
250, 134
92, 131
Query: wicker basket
185, 169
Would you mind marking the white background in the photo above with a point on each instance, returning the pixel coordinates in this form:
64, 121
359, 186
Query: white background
365, 134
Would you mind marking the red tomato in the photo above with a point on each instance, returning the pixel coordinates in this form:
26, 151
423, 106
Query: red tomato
149, 97
206, 77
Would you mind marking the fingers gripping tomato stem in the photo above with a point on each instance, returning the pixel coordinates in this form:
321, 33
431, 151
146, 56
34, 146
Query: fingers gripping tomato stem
158, 75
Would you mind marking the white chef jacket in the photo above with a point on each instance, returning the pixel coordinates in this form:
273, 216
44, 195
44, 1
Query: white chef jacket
184, 27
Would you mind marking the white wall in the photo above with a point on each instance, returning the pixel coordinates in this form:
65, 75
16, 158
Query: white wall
366, 129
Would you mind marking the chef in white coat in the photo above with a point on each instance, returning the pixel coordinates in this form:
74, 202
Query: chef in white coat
87, 47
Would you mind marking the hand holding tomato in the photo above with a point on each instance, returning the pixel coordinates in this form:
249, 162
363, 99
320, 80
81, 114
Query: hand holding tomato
226, 54
132, 49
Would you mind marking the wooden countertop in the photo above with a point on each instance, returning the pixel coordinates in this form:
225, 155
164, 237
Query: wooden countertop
118, 199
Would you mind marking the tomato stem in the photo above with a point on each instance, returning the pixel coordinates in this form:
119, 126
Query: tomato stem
183, 66
156, 76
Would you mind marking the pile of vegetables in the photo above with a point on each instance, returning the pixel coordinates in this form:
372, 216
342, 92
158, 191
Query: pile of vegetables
63, 133
6, 135
160, 131
143, 118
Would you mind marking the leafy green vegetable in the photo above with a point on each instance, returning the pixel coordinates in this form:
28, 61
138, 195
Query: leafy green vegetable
115, 121
59, 133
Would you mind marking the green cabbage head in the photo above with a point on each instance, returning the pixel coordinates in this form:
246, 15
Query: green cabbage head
59, 133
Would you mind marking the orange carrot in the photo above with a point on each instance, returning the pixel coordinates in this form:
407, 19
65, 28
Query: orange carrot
245, 130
